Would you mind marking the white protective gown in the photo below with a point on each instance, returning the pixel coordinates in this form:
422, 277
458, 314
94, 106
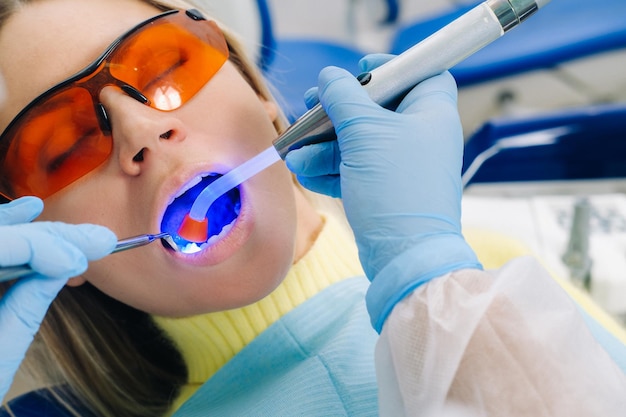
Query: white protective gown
505, 343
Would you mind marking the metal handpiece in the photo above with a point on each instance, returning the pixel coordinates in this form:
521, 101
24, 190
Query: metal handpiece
442, 50
576, 256
13, 272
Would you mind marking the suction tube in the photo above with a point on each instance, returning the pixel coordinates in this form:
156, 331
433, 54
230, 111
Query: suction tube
387, 84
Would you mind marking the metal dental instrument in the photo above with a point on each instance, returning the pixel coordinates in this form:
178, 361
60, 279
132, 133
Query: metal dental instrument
386, 85
13, 272
142, 240
576, 256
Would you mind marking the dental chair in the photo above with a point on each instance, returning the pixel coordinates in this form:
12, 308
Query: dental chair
39, 403
296, 64
569, 54
569, 144
292, 65
563, 31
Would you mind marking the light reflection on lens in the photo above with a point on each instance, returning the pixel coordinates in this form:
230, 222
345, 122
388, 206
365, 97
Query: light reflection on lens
167, 98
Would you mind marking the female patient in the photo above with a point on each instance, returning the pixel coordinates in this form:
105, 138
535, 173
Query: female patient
265, 319
123, 171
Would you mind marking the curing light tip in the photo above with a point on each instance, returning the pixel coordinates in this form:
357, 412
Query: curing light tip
194, 230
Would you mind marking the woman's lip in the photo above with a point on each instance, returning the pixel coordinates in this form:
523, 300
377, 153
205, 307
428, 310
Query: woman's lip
229, 243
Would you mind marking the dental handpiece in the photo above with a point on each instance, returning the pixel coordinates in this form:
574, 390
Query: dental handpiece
12, 272
439, 52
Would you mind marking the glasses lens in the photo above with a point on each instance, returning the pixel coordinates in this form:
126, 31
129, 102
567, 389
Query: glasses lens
168, 63
58, 142
59, 139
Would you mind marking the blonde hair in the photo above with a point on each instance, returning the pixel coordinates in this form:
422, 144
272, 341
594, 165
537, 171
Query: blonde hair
97, 353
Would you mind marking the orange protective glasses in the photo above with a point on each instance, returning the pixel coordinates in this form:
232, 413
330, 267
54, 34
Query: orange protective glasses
64, 133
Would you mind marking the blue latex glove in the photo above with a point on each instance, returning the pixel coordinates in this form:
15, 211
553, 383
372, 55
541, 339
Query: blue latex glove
321, 173
57, 252
399, 174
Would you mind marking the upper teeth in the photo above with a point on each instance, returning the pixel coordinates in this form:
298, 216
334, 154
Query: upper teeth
221, 234
188, 186
194, 181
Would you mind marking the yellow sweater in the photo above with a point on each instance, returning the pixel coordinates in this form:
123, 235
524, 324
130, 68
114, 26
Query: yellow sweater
208, 341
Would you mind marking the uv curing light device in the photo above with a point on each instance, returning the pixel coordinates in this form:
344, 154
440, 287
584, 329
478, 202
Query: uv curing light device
386, 85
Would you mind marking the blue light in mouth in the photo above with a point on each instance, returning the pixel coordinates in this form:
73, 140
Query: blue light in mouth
221, 213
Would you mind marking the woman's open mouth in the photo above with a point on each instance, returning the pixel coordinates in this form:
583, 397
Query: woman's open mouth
222, 214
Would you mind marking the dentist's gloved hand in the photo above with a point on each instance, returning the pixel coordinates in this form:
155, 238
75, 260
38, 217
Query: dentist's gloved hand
400, 180
57, 252
317, 167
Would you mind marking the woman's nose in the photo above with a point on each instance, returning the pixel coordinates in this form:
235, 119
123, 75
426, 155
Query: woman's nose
139, 131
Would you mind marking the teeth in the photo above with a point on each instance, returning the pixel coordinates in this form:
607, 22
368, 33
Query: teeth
191, 248
188, 186
221, 234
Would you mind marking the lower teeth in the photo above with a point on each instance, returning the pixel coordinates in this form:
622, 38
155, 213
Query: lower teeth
192, 247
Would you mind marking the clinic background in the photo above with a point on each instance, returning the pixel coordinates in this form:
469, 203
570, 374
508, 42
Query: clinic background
369, 26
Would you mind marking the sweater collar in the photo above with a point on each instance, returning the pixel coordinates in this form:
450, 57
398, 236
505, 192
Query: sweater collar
208, 341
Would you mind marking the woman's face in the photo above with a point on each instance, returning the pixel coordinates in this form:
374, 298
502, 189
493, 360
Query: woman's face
223, 125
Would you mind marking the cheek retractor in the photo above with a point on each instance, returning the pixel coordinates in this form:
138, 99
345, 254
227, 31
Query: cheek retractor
386, 85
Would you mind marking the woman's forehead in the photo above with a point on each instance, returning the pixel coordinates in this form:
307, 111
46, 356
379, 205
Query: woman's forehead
47, 41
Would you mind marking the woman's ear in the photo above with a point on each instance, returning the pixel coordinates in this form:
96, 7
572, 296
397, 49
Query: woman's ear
76, 281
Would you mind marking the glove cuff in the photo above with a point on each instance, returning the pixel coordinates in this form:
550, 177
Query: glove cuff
427, 260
